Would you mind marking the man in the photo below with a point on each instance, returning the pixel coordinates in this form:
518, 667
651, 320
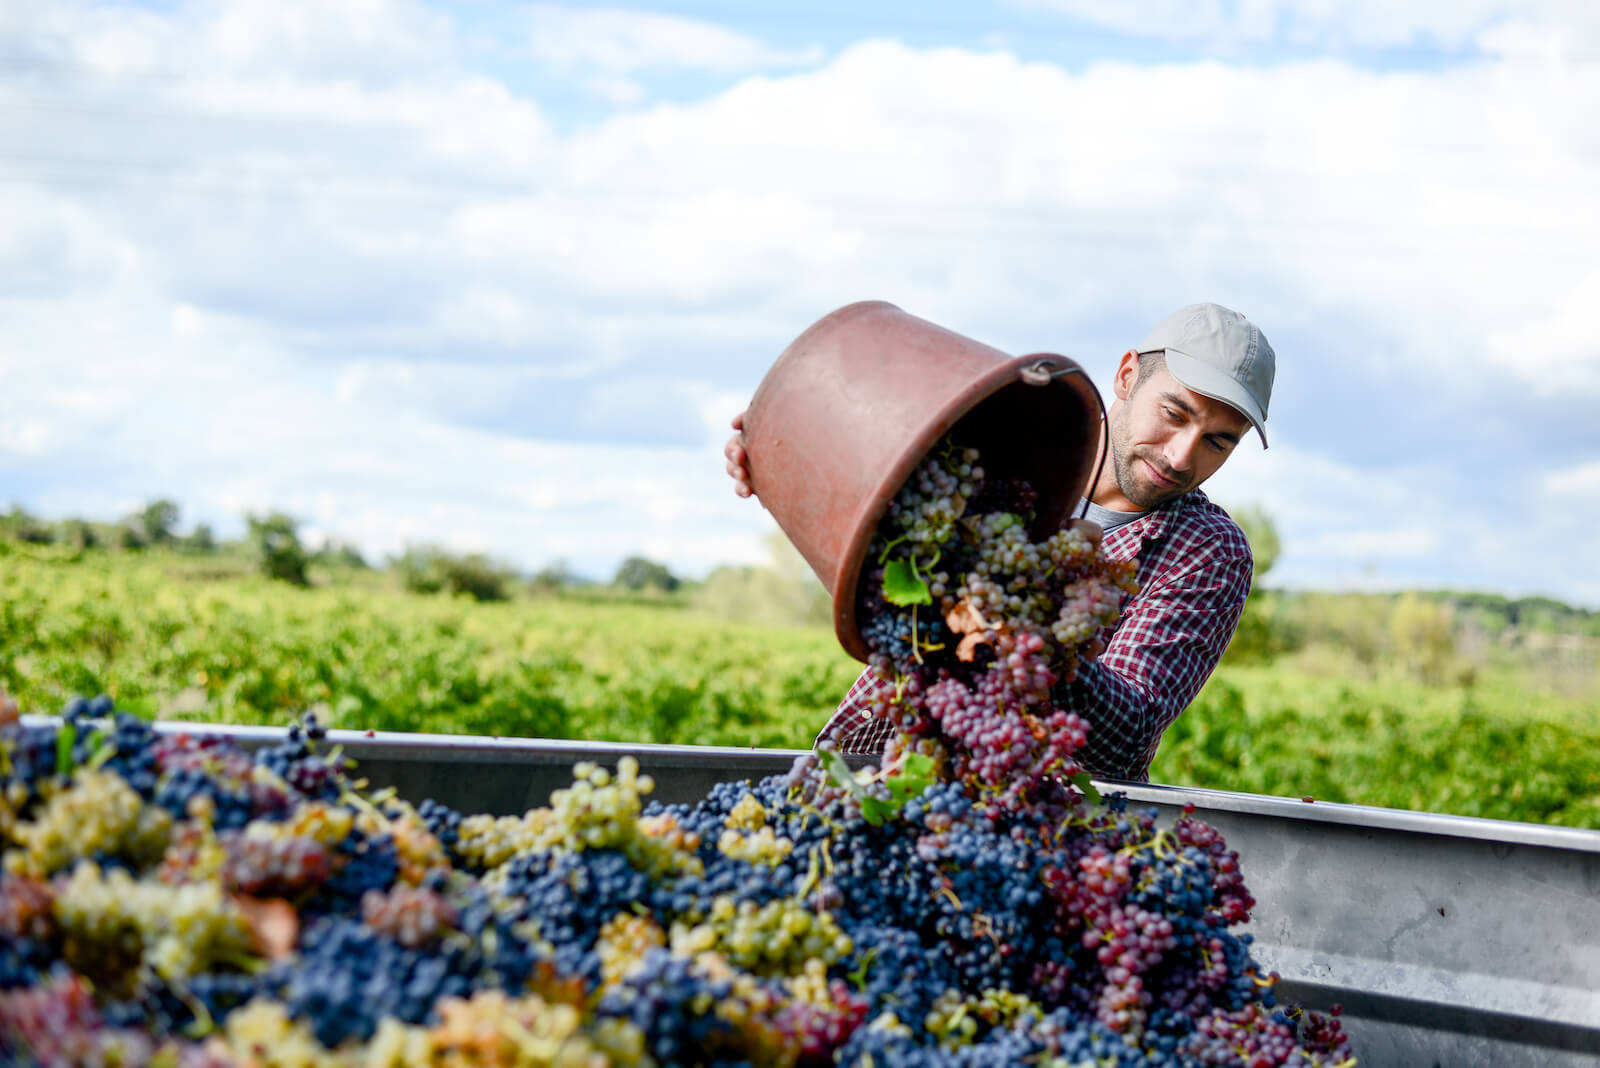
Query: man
1182, 400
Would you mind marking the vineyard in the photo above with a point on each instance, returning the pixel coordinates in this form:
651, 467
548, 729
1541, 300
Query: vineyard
167, 640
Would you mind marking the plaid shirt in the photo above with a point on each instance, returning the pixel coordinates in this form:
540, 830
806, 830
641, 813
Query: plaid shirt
1194, 573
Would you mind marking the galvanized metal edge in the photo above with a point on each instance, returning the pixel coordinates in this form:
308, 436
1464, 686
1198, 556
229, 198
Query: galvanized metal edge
1365, 816
396, 745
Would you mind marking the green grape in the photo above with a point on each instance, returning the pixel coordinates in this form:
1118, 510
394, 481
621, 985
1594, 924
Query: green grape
98, 813
176, 931
758, 847
777, 937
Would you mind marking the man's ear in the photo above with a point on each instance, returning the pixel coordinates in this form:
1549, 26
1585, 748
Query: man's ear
1126, 375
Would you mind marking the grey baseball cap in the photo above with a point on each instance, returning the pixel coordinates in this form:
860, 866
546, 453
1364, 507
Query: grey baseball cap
1218, 353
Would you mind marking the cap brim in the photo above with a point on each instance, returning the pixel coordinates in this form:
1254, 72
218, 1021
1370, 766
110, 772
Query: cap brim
1210, 382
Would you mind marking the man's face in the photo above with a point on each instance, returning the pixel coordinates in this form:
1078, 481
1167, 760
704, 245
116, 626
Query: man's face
1165, 438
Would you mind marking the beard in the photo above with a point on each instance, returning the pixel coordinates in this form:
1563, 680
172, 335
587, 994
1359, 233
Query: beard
1132, 480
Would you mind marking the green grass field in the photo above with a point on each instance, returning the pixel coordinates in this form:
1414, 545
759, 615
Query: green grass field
170, 639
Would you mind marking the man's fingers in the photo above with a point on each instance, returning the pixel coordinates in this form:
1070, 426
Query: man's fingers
738, 459
741, 479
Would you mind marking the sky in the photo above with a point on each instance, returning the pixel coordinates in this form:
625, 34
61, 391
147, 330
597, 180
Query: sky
496, 276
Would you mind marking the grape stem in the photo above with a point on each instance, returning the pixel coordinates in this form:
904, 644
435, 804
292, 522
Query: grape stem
202, 1024
813, 876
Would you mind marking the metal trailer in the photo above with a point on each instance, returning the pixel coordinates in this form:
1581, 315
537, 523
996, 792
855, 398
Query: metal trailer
1450, 942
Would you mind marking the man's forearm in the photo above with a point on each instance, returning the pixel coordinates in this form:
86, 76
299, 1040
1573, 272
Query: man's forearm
1162, 652
1123, 721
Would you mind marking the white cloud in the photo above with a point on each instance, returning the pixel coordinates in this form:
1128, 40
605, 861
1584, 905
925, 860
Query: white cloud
1574, 483
1382, 24
322, 34
1331, 514
26, 437
623, 41
1364, 545
337, 38
1554, 346
496, 315
691, 246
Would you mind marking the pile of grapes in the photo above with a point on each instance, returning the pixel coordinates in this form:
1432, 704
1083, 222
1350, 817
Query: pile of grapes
171, 900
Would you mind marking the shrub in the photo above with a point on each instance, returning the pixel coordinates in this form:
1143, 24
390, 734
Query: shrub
429, 569
276, 540
636, 573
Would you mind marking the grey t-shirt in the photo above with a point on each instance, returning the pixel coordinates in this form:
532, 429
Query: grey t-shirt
1107, 519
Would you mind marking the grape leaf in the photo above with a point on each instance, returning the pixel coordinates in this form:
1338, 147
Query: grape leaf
875, 811
913, 777
65, 739
839, 770
1082, 782
903, 586
841, 774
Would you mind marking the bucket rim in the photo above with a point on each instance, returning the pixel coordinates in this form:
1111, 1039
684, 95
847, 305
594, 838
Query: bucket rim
1064, 371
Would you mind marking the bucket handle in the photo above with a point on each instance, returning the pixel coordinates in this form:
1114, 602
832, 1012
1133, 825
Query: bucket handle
1042, 373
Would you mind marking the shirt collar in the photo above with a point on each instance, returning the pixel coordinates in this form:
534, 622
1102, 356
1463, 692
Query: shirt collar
1155, 524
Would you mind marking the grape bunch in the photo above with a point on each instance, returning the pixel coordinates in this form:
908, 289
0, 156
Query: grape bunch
975, 622
908, 915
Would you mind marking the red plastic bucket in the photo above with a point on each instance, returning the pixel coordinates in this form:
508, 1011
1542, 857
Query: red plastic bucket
853, 404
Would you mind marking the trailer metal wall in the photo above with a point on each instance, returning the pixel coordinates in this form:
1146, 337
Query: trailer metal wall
1450, 942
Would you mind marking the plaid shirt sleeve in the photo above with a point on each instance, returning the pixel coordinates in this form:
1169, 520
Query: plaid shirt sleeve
1194, 574
852, 727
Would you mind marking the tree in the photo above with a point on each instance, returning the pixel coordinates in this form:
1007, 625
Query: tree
429, 569
201, 539
341, 554
556, 575
1261, 634
276, 539
157, 521
25, 527
635, 573
1262, 534
1422, 633
786, 592
78, 533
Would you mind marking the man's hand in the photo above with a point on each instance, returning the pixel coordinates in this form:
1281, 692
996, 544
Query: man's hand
738, 458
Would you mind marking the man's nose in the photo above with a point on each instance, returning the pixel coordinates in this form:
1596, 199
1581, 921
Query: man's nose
1179, 452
